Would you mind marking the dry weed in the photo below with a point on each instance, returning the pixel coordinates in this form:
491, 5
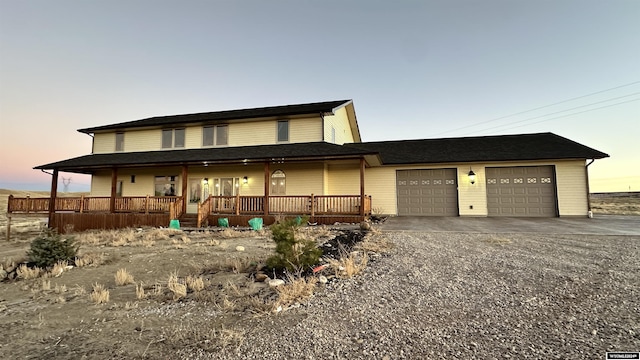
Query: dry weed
140, 291
229, 233
58, 269
129, 305
100, 294
178, 289
238, 265
233, 288
213, 242
375, 243
226, 304
296, 290
123, 277
46, 285
195, 283
79, 290
348, 266
158, 289
27, 273
59, 289
259, 305
89, 259
204, 337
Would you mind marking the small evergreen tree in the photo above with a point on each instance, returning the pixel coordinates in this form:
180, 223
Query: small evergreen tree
49, 248
292, 253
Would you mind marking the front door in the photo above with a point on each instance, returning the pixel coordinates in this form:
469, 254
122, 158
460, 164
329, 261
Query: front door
198, 192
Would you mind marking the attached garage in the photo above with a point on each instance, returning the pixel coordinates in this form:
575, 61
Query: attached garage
527, 191
427, 192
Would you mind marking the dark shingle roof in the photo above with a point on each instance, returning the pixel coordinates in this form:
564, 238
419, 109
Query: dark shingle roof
483, 148
326, 107
299, 151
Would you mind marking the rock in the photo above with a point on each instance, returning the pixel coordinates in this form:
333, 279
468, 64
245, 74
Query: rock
276, 282
365, 226
323, 279
239, 248
261, 277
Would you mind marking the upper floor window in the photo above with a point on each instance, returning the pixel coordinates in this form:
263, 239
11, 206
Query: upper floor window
172, 138
119, 141
283, 130
215, 135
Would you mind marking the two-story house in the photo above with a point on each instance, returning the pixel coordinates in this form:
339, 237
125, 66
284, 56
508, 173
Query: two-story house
310, 159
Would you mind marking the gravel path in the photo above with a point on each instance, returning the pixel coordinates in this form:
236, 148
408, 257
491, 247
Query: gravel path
471, 296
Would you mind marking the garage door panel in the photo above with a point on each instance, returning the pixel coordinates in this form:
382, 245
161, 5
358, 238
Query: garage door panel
521, 191
429, 192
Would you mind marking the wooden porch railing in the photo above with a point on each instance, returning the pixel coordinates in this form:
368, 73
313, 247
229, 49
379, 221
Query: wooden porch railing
284, 205
82, 204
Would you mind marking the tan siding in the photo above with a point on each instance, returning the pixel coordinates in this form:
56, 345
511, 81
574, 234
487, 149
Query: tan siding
104, 143
143, 140
572, 188
305, 130
302, 179
252, 133
380, 183
344, 179
193, 137
101, 184
340, 122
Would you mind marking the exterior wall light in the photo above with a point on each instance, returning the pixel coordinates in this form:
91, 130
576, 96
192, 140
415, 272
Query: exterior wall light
206, 180
245, 180
472, 177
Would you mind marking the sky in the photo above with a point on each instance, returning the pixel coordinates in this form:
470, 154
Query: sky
414, 69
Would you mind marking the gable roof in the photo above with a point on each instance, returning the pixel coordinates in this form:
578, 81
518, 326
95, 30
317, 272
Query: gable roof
325, 108
260, 153
540, 146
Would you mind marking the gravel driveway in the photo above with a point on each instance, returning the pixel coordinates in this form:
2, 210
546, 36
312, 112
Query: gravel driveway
471, 296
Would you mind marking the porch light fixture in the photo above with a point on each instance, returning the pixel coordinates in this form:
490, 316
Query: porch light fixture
472, 176
245, 180
206, 180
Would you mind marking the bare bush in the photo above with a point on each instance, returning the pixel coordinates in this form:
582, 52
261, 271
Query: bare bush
296, 290
100, 294
123, 277
27, 273
349, 265
178, 289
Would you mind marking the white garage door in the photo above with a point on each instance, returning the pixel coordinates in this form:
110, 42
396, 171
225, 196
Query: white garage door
432, 192
521, 191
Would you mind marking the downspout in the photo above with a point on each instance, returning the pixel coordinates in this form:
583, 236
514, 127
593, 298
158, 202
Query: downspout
322, 127
586, 171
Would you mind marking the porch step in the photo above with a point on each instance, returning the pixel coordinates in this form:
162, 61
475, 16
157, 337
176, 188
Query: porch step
189, 220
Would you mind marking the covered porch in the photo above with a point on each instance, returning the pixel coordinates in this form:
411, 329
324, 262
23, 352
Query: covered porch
202, 185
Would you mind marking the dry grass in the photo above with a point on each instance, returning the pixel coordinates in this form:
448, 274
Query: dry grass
204, 337
349, 265
375, 243
89, 259
230, 233
497, 240
123, 277
100, 294
296, 290
174, 285
195, 284
27, 273
46, 285
140, 292
58, 269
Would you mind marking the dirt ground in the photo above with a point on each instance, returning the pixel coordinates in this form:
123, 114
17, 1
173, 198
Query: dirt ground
56, 317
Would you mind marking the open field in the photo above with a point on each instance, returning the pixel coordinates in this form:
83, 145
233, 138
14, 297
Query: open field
624, 203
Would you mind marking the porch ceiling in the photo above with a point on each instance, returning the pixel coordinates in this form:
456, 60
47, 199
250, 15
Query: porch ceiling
245, 154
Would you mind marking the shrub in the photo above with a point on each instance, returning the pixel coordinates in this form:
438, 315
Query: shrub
123, 277
49, 248
292, 253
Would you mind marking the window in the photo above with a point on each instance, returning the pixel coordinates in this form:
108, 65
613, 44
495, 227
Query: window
119, 141
167, 137
226, 186
165, 185
278, 183
219, 133
283, 130
172, 138
178, 138
195, 190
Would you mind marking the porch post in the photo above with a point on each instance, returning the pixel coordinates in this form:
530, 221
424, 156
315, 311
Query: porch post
54, 195
362, 186
267, 182
114, 185
185, 174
